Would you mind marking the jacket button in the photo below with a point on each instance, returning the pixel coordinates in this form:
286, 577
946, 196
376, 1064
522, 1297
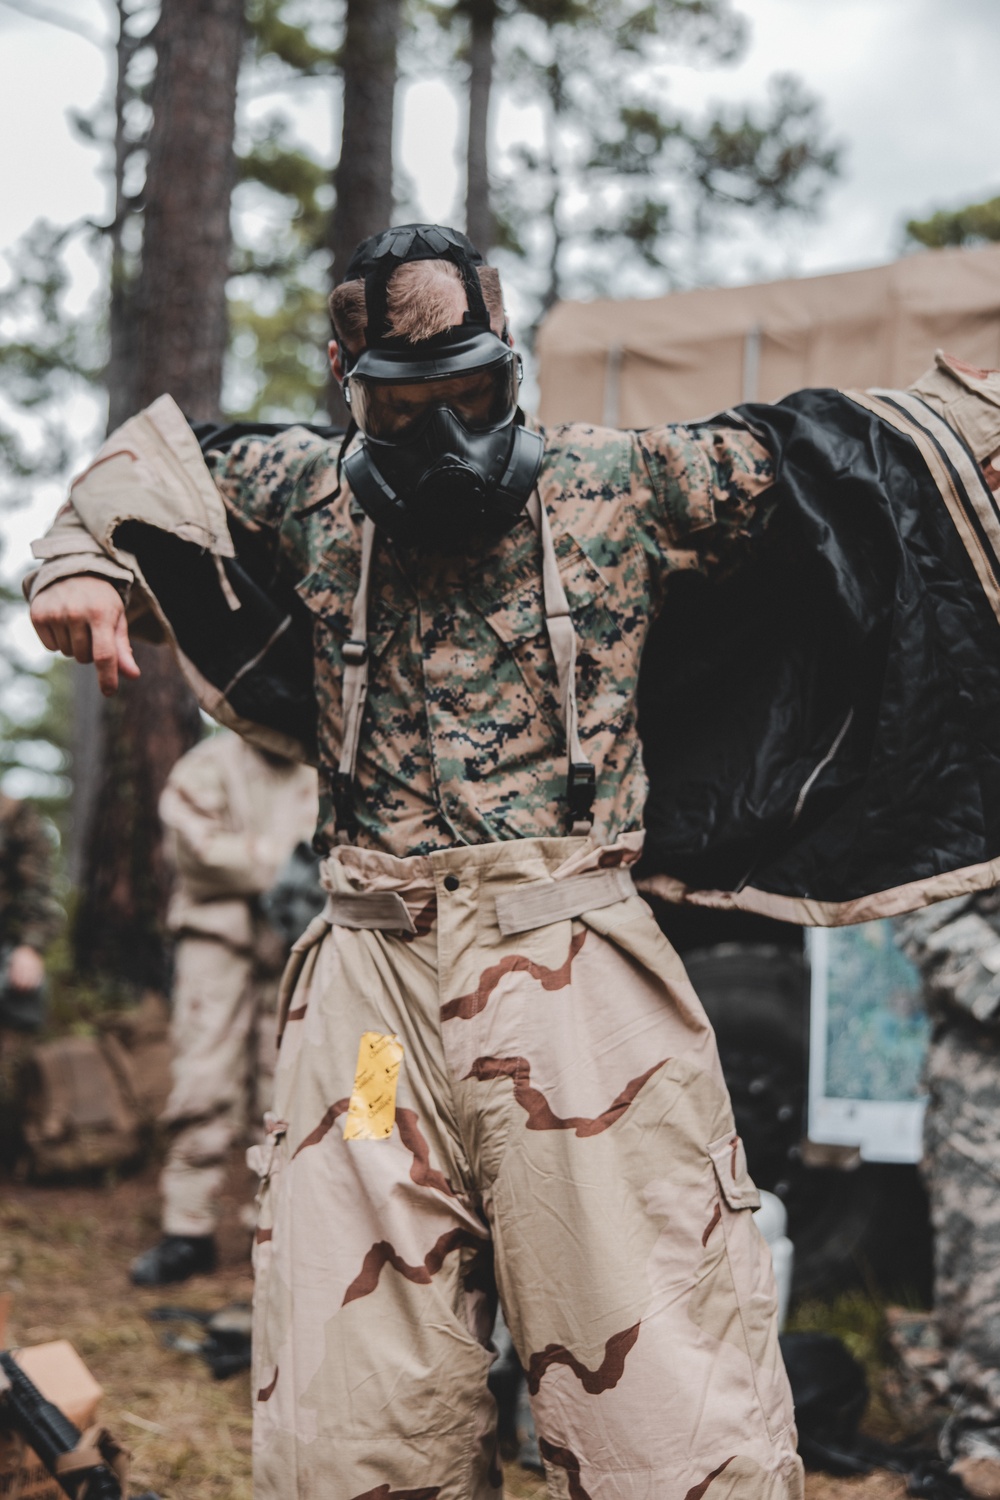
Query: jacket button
451, 882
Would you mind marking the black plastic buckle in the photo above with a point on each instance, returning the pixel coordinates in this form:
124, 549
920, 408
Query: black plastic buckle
581, 786
355, 653
343, 803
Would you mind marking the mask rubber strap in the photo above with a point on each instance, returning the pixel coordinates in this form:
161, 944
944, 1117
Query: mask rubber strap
355, 692
581, 780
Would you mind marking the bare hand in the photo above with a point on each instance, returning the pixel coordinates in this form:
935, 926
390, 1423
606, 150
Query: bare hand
84, 617
25, 970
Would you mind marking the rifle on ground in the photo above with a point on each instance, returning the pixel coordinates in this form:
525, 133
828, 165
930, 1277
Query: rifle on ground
87, 1466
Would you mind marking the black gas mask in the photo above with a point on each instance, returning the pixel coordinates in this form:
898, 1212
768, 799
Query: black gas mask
445, 461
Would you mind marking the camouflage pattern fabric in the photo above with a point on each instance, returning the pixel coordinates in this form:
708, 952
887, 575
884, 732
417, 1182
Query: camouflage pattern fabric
462, 740
957, 946
560, 1131
28, 913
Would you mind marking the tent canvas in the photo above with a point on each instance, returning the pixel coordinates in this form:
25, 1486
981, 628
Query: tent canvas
637, 363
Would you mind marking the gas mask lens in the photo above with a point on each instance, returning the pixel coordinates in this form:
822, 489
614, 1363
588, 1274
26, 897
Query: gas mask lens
394, 411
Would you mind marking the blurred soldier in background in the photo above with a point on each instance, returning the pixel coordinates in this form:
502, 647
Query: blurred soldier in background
232, 816
29, 916
957, 947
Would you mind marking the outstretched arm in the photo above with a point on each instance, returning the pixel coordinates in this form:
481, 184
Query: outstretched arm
83, 616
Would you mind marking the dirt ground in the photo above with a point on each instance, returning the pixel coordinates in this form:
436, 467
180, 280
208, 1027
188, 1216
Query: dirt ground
63, 1256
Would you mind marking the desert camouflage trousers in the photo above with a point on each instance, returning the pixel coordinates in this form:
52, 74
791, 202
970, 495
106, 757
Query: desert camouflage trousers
459, 1112
222, 1039
962, 1169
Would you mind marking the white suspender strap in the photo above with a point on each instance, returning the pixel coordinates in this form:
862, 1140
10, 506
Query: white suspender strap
562, 638
355, 691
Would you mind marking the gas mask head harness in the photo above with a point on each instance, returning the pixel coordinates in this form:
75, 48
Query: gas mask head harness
444, 459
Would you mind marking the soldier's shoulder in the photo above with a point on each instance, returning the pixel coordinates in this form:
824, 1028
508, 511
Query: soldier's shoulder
293, 468
582, 456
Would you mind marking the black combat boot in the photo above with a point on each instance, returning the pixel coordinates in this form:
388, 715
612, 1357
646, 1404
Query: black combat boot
175, 1258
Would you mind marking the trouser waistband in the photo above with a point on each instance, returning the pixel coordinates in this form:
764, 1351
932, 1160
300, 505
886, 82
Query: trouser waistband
531, 882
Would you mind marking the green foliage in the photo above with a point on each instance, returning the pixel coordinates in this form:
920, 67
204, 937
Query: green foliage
277, 367
977, 224
622, 184
36, 720
622, 180
46, 354
283, 353
275, 38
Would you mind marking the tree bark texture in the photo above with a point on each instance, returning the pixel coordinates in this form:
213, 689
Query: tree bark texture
119, 374
362, 178
181, 313
479, 221
175, 323
119, 927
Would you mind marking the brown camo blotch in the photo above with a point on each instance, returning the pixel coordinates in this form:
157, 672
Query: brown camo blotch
536, 1106
422, 1173
697, 1490
267, 1391
260, 1236
717, 1215
382, 1254
565, 1458
604, 1378
324, 1127
298, 1014
383, 1492
467, 1006
423, 922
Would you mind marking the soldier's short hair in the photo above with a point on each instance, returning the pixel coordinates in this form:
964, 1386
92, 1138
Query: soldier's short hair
419, 302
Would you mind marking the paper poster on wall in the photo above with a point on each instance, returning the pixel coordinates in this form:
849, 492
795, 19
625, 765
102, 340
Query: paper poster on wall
868, 1040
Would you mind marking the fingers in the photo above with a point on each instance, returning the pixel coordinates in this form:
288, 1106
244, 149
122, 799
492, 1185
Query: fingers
46, 635
104, 650
127, 664
83, 617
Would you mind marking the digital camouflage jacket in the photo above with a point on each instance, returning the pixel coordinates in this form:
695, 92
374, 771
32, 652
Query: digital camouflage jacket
463, 741
818, 697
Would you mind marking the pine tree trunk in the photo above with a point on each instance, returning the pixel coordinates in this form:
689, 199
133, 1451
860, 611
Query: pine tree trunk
178, 319
363, 176
479, 222
181, 299
119, 375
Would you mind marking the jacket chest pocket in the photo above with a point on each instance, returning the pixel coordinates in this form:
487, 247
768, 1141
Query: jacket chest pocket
328, 594
605, 673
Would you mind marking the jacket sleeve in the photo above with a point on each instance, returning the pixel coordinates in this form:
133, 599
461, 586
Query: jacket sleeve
703, 493
66, 550
215, 860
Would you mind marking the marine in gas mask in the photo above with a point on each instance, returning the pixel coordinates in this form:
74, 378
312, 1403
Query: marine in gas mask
444, 459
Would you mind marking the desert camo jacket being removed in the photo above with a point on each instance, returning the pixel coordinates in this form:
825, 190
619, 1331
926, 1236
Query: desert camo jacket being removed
462, 741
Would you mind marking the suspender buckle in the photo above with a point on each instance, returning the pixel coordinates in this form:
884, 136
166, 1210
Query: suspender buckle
581, 786
355, 653
343, 806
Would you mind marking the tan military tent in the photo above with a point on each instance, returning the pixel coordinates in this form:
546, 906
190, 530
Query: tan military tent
677, 358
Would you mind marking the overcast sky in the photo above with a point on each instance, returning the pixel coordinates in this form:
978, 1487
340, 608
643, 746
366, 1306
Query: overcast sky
910, 88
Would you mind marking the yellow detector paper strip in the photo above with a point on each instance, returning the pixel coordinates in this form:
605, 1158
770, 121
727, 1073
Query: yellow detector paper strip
372, 1110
